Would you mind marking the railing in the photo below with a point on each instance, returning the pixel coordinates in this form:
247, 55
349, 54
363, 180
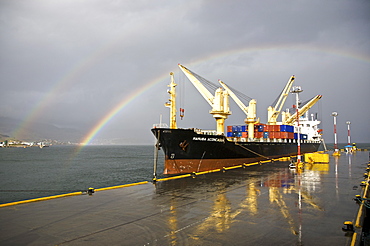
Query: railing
206, 132
160, 125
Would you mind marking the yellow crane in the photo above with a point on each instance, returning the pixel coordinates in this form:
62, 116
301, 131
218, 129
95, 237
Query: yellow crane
274, 111
249, 111
291, 119
219, 102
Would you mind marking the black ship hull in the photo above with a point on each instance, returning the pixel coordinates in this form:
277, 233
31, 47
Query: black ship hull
187, 151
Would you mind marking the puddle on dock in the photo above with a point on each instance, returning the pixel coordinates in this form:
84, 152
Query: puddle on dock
268, 204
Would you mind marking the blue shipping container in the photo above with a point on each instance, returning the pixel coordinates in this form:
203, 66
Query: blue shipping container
266, 134
229, 134
286, 128
261, 128
301, 136
244, 128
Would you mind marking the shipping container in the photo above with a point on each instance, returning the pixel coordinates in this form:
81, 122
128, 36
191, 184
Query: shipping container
275, 135
266, 135
286, 135
259, 127
268, 128
301, 136
272, 128
244, 134
258, 134
244, 128
229, 128
286, 128
229, 134
276, 128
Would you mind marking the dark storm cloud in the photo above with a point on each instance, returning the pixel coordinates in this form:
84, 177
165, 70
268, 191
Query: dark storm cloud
102, 51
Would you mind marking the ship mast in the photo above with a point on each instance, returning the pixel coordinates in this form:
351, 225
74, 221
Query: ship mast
172, 102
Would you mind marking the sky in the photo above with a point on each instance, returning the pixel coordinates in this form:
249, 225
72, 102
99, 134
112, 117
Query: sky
102, 67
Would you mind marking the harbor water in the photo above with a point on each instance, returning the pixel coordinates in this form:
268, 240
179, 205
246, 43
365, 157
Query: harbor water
33, 172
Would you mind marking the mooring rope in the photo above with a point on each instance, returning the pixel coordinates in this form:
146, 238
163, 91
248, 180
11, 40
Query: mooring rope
253, 151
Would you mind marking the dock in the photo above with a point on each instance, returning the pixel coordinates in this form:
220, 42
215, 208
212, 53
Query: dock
265, 204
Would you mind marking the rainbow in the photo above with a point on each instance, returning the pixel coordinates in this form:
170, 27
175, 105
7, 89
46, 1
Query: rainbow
82, 66
64, 83
115, 110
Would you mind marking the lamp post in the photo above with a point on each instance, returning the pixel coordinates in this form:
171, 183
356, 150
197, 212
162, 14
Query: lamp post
336, 150
349, 133
297, 90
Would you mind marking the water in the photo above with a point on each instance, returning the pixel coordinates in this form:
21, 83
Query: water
33, 172
330, 146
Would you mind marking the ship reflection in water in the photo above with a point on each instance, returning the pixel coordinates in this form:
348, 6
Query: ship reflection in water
263, 205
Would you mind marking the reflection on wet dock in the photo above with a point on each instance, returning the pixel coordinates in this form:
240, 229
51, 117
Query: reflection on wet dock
258, 205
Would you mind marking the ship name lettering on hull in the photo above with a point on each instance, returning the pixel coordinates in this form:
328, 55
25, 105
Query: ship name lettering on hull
208, 139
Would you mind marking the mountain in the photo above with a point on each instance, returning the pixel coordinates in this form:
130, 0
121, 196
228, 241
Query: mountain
38, 131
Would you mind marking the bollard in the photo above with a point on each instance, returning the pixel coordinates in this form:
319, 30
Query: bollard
90, 191
358, 199
348, 226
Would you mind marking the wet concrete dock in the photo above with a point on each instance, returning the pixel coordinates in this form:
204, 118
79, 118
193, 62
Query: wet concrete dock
267, 204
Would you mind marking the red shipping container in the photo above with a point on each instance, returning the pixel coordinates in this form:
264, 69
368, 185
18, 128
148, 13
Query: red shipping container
229, 128
272, 128
244, 134
258, 134
275, 134
268, 128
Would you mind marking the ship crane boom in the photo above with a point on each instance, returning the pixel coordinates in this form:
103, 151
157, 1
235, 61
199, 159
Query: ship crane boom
198, 85
249, 111
293, 118
274, 111
235, 98
219, 102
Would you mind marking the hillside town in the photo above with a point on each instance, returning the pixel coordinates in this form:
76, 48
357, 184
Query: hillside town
26, 144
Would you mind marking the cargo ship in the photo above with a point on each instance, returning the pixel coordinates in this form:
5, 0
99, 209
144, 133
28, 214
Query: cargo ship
195, 150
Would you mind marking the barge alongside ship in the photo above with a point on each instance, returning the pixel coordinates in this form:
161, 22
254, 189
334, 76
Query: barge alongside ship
195, 150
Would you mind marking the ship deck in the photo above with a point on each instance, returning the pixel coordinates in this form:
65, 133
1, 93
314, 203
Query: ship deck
258, 205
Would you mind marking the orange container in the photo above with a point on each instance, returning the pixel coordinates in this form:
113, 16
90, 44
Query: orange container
268, 128
272, 128
275, 134
287, 135
258, 134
